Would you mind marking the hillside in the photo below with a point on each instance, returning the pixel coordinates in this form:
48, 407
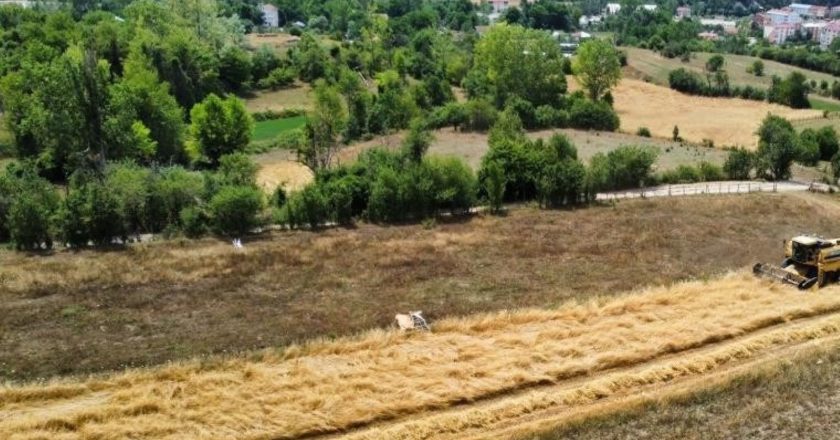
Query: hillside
657, 67
486, 376
82, 312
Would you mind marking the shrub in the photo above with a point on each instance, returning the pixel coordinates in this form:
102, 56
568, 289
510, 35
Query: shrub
278, 78
624, 167
235, 210
130, 185
454, 184
739, 164
586, 114
172, 189
562, 183
452, 114
710, 172
385, 202
550, 117
685, 81
643, 132
494, 185
308, 207
194, 221
237, 169
104, 220
809, 148
481, 115
827, 139
525, 110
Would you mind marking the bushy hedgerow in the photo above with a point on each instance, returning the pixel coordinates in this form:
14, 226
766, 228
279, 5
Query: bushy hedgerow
625, 167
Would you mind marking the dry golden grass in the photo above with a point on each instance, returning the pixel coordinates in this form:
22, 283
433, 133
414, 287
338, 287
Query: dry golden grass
295, 97
727, 122
611, 346
292, 175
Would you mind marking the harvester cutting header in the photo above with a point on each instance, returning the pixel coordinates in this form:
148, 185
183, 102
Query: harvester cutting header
809, 261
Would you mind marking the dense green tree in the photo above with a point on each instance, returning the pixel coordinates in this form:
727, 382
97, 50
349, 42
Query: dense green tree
597, 67
235, 210
237, 169
513, 61
141, 97
324, 127
220, 127
791, 91
27, 204
417, 141
778, 147
739, 164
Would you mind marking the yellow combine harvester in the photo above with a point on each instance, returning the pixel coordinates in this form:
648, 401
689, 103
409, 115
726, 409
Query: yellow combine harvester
809, 261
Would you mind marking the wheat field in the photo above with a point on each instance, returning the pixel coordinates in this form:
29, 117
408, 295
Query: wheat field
469, 372
725, 121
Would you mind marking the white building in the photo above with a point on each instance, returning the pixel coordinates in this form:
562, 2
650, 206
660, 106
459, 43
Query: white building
271, 15
612, 9
781, 16
585, 21
800, 9
683, 12
829, 33
21, 3
649, 7
729, 26
808, 11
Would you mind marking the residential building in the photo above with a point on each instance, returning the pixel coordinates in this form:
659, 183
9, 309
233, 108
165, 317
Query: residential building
710, 36
683, 12
778, 34
585, 21
729, 26
800, 9
21, 3
814, 29
834, 11
829, 33
271, 15
808, 11
776, 17
612, 9
499, 6
649, 7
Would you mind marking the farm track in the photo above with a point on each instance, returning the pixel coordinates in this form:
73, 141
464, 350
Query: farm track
482, 419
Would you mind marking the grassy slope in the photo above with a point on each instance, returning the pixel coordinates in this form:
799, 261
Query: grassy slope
268, 130
657, 67
84, 312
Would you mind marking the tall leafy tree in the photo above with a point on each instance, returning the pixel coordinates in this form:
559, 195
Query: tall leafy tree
220, 127
140, 97
514, 61
597, 67
324, 127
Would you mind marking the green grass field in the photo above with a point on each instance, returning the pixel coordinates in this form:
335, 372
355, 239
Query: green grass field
268, 130
821, 103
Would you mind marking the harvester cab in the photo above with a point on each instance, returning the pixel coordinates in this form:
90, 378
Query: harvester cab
809, 261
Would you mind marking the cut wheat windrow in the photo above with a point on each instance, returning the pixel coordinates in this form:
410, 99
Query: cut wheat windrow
370, 385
